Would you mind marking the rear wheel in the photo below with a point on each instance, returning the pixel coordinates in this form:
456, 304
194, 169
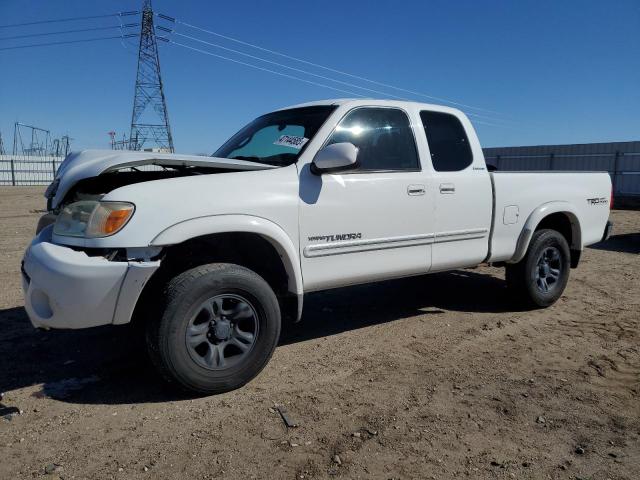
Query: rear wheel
542, 275
219, 328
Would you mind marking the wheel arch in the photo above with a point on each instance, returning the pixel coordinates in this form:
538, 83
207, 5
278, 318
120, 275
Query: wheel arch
253, 242
559, 216
223, 224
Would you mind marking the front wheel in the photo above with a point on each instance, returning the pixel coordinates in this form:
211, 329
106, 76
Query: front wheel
219, 328
542, 275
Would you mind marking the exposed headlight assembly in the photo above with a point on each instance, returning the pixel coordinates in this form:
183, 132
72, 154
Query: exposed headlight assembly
90, 219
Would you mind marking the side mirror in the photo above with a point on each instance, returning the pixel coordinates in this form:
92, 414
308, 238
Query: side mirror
334, 158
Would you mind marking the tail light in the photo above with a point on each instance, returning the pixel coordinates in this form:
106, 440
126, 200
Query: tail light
611, 201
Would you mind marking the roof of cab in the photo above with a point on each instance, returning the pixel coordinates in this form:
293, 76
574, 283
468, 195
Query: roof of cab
329, 101
372, 101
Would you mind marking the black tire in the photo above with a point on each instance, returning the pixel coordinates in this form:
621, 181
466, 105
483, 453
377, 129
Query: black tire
184, 296
527, 279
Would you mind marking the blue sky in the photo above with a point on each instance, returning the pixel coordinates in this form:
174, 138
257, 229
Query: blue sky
556, 71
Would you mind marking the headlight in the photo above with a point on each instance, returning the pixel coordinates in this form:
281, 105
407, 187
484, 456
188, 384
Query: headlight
90, 219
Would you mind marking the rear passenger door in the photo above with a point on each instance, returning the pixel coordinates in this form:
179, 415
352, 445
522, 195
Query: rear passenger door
373, 221
463, 194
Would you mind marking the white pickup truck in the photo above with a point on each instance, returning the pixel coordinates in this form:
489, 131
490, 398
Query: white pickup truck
210, 253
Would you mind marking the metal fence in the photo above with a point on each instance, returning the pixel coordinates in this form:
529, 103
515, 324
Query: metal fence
620, 159
28, 169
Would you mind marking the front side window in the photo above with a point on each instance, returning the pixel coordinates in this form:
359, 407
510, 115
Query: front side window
277, 138
448, 142
383, 136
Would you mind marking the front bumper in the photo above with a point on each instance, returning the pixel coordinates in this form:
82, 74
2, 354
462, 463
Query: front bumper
66, 288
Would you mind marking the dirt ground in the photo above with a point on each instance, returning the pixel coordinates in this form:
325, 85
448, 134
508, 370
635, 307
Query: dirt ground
432, 377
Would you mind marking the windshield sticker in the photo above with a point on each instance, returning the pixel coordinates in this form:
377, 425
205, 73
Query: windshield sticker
291, 141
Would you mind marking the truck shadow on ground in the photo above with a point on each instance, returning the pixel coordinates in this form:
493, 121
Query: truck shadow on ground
107, 365
625, 243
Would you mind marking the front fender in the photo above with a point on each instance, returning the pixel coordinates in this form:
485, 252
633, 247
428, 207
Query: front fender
537, 216
273, 233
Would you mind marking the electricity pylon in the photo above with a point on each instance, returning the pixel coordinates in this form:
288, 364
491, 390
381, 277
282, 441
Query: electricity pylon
150, 120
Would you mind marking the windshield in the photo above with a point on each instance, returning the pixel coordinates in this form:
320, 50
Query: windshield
277, 138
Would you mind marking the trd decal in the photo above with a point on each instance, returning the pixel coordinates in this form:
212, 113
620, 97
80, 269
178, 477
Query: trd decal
336, 238
597, 201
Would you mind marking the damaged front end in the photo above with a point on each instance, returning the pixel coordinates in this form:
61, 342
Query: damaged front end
91, 174
67, 287
69, 279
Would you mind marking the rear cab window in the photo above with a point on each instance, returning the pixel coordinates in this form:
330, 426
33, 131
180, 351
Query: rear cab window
448, 142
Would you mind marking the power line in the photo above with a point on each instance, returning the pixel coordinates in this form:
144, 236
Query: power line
311, 82
123, 42
284, 55
47, 44
287, 66
330, 79
62, 32
511, 127
121, 37
70, 19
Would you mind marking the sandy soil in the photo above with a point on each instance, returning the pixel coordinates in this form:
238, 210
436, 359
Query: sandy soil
432, 377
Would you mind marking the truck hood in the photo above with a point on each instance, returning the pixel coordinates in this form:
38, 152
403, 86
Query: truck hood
270, 196
92, 163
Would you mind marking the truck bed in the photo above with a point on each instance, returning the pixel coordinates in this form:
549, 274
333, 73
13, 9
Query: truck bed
518, 194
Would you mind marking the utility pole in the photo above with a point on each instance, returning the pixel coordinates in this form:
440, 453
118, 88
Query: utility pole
62, 146
149, 124
38, 146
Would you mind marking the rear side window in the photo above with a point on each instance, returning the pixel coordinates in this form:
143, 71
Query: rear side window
383, 136
448, 142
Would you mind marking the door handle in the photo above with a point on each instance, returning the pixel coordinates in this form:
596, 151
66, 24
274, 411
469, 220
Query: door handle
447, 188
415, 190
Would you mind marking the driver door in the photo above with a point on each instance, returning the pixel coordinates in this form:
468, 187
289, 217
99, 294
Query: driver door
372, 222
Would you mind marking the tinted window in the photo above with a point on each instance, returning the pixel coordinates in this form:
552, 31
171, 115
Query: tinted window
448, 143
383, 137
